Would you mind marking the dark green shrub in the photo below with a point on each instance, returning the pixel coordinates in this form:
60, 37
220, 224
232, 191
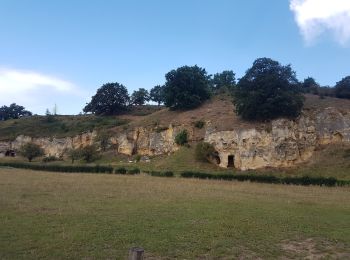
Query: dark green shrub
60, 168
50, 158
305, 180
120, 170
199, 124
168, 174
89, 153
138, 158
181, 138
162, 174
134, 171
204, 151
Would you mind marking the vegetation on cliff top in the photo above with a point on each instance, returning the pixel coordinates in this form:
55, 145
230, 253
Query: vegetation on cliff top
267, 91
61, 126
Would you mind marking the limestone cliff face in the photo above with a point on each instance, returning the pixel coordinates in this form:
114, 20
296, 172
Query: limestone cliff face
282, 143
285, 144
52, 146
143, 141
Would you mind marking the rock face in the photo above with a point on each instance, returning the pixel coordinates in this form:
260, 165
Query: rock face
285, 144
141, 141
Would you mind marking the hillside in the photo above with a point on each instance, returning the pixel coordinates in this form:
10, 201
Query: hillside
66, 125
219, 111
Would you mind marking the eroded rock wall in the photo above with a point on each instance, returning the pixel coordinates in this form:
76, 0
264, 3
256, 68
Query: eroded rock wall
285, 144
143, 141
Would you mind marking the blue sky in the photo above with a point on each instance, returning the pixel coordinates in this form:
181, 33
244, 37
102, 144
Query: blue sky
62, 51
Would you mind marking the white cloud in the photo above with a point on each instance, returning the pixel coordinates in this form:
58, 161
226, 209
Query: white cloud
315, 17
36, 91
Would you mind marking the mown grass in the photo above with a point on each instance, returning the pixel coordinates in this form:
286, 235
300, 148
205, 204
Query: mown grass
58, 126
56, 215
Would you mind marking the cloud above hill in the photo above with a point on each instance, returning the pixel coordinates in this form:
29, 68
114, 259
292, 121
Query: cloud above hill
34, 90
316, 17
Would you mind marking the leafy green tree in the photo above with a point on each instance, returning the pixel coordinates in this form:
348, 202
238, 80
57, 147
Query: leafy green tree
89, 153
75, 154
310, 85
110, 99
31, 151
157, 94
13, 111
140, 97
186, 87
268, 90
342, 88
224, 80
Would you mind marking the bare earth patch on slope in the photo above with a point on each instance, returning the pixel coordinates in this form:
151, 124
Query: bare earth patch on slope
314, 249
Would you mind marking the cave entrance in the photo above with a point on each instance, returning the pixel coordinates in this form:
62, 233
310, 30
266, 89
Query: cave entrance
230, 161
10, 153
216, 158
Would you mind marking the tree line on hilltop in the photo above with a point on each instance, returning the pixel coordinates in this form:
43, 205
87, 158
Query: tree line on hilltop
268, 90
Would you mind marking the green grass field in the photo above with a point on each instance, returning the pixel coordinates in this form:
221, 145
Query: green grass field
89, 216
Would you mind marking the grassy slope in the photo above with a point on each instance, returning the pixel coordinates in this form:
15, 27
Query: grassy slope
62, 126
47, 215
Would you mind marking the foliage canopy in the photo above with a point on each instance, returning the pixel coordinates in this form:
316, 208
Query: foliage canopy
342, 88
268, 90
140, 97
186, 87
225, 79
110, 99
13, 111
157, 94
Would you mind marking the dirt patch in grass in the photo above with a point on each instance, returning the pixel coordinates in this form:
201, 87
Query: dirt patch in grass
314, 249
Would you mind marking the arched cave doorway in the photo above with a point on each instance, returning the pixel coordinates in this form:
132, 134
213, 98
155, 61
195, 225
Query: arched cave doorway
230, 161
10, 153
216, 158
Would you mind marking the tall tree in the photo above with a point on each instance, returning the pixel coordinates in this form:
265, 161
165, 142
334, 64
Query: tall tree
186, 87
157, 94
342, 88
140, 97
13, 111
225, 79
110, 99
268, 90
31, 151
310, 85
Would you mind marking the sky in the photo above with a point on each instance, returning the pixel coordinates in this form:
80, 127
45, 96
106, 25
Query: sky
61, 51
